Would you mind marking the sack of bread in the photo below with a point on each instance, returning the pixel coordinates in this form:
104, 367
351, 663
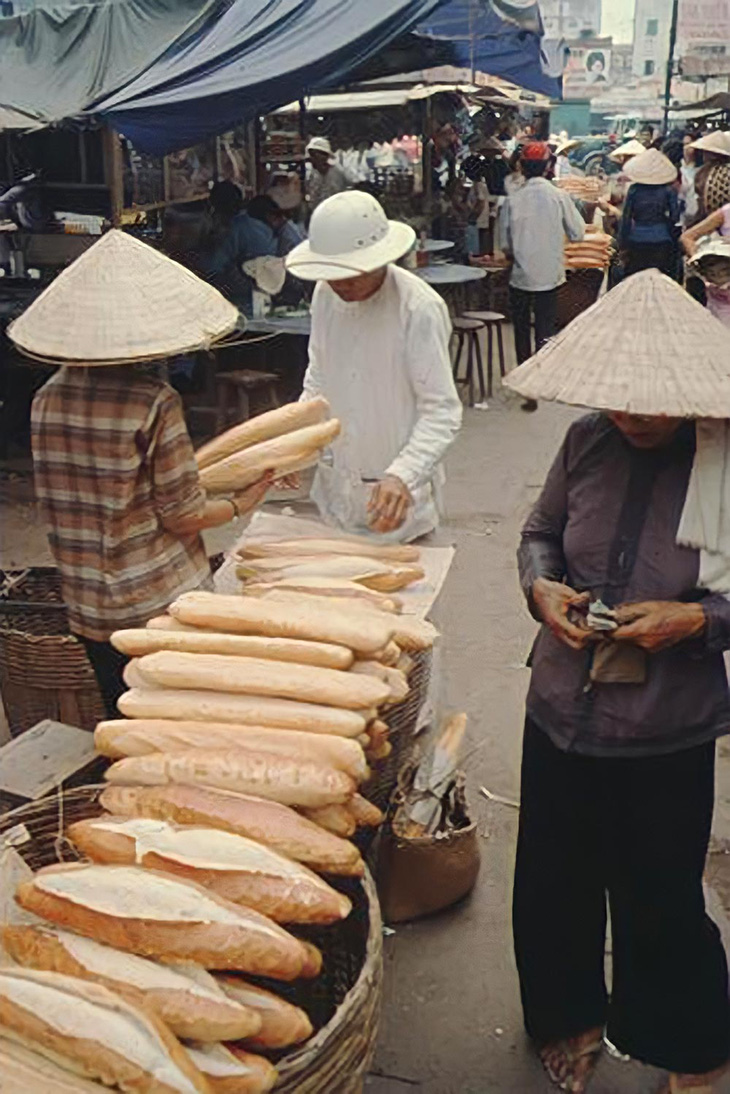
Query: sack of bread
234, 867
255, 676
200, 1011
277, 778
277, 826
176, 636
140, 736
163, 917
95, 1032
282, 1024
230, 1070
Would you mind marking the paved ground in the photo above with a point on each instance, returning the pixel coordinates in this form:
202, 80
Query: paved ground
451, 1022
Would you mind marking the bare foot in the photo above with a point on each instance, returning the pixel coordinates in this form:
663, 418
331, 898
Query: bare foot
571, 1062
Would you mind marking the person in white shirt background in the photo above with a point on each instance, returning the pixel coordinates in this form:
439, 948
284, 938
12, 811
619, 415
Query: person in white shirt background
379, 352
533, 222
324, 176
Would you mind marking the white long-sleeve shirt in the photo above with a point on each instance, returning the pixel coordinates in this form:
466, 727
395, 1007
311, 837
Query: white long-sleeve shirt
384, 366
533, 223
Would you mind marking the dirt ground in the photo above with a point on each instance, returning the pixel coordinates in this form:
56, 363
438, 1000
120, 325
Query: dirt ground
451, 1022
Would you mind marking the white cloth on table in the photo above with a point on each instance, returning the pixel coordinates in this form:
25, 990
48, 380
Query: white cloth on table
384, 366
705, 521
533, 223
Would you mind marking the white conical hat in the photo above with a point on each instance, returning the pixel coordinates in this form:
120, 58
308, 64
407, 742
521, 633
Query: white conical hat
646, 347
628, 150
651, 167
718, 142
122, 301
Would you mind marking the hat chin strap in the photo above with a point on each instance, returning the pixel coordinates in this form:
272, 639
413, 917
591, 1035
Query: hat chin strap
339, 265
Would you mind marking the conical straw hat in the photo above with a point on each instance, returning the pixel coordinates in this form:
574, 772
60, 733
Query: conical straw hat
646, 348
718, 142
122, 301
626, 151
651, 167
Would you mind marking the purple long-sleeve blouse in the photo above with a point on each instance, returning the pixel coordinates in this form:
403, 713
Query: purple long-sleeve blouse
606, 522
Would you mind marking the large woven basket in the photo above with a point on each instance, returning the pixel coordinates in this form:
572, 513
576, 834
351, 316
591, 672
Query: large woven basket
44, 670
579, 291
343, 1002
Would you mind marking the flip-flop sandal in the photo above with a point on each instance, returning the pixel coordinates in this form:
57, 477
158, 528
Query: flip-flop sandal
571, 1057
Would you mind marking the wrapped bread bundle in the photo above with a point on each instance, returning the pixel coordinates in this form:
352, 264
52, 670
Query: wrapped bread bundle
274, 825
264, 427
231, 866
140, 736
256, 710
365, 548
156, 915
251, 676
282, 1024
137, 642
305, 620
276, 778
26, 1072
229, 1070
97, 1033
200, 1011
283, 455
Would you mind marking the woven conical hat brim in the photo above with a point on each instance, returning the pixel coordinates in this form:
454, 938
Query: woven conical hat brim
718, 142
122, 301
651, 167
645, 348
624, 151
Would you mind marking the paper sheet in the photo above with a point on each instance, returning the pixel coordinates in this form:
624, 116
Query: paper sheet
417, 600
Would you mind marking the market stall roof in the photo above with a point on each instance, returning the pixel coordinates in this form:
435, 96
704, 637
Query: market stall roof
170, 73
719, 101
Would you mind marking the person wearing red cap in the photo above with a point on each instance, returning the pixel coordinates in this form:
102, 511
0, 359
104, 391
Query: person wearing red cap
534, 221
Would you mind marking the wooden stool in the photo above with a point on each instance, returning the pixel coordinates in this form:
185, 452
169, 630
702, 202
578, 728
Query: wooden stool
466, 332
233, 391
493, 321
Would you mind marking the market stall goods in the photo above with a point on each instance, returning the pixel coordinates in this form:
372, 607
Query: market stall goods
587, 188
365, 813
263, 427
254, 676
384, 577
200, 1011
150, 639
163, 917
234, 867
232, 1071
341, 587
336, 819
594, 252
276, 778
396, 552
282, 1024
26, 1072
140, 736
396, 680
256, 710
96, 1032
282, 455
315, 622
277, 826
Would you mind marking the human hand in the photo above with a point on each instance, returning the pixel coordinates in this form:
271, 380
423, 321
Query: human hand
388, 504
247, 500
656, 625
553, 601
288, 482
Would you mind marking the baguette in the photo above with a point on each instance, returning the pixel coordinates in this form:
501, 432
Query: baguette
283, 454
229, 1070
253, 676
276, 778
138, 642
337, 819
155, 915
280, 592
26, 1072
394, 678
396, 552
341, 587
201, 706
264, 427
231, 866
198, 1011
138, 737
282, 1024
96, 1032
243, 616
269, 823
372, 573
132, 676
365, 813
312, 966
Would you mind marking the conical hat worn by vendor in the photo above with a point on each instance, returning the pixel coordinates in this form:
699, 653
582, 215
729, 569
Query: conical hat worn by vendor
646, 348
651, 167
627, 151
122, 301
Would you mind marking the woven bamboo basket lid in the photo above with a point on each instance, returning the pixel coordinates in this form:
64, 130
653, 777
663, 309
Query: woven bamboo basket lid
646, 347
122, 301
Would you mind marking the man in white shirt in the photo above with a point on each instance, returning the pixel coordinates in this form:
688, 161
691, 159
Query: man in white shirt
534, 221
379, 352
326, 178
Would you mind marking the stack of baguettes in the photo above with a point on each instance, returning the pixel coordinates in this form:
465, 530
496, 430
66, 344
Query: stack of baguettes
250, 722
